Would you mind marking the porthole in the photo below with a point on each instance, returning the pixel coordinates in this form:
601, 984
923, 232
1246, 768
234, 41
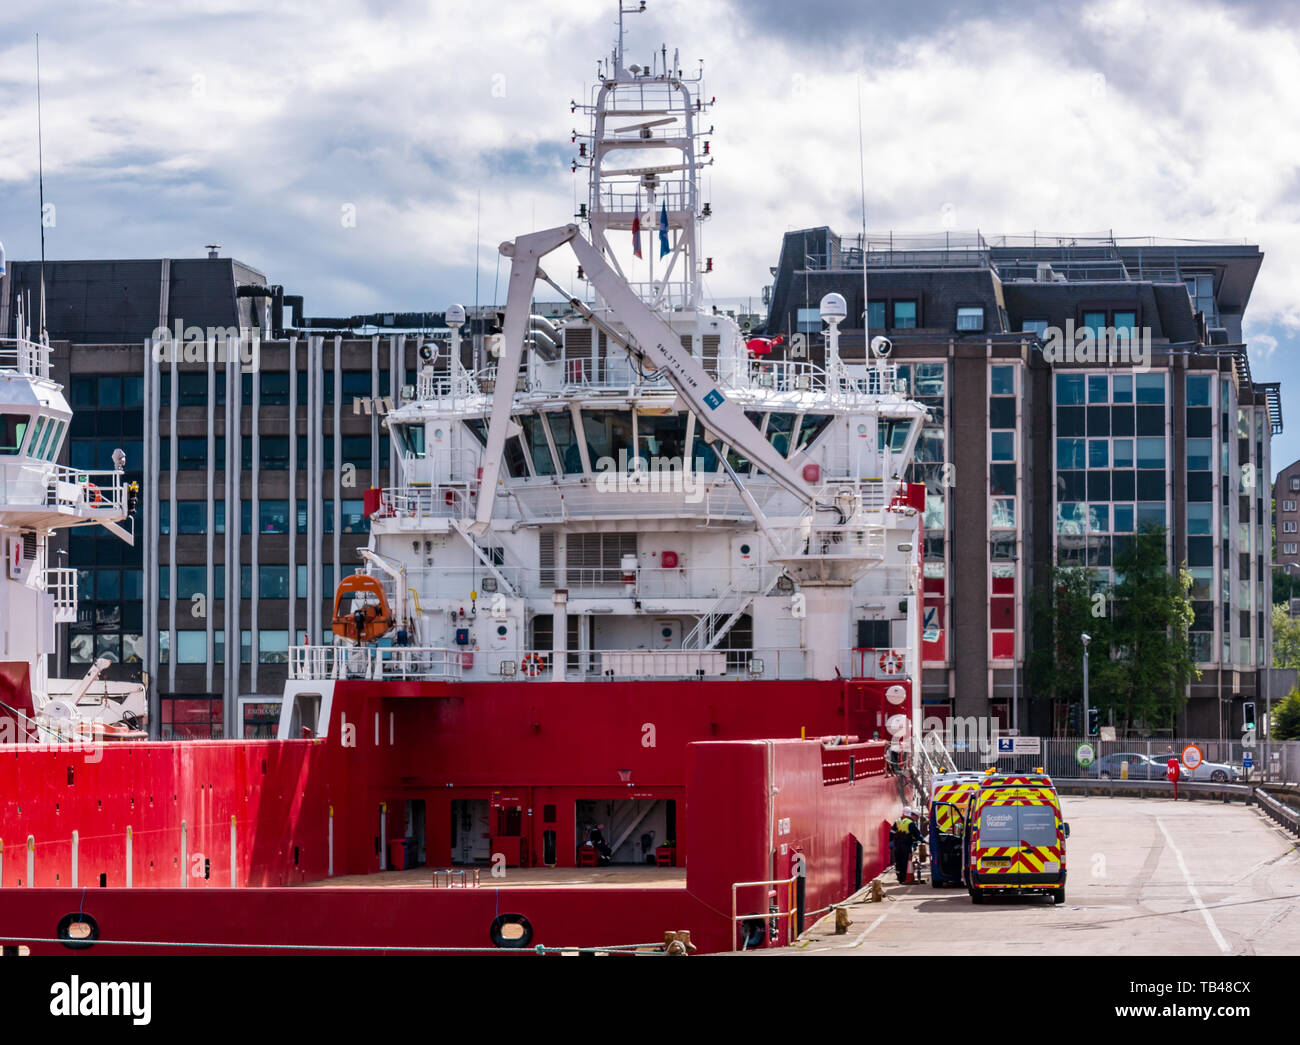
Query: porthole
77, 931
511, 931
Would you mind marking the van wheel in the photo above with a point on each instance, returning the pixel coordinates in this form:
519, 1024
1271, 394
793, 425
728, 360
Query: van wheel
1058, 895
976, 896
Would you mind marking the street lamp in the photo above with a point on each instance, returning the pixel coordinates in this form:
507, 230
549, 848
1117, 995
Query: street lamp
1268, 687
1087, 640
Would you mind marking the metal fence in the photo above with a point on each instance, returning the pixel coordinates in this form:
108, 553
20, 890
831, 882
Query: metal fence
1059, 757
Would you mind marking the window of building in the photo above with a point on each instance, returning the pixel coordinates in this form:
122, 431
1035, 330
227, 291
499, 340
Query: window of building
1288, 506
273, 582
876, 315
1125, 323
1289, 548
970, 318
272, 516
1037, 327
192, 388
1093, 321
905, 315
354, 518
275, 388
1294, 484
191, 647
272, 647
272, 452
1288, 527
808, 320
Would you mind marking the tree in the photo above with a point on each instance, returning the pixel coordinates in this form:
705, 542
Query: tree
1153, 612
1285, 587
1286, 639
1067, 605
1286, 718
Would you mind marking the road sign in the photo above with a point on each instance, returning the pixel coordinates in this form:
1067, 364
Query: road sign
1172, 770
1085, 755
931, 635
1107, 732
1247, 761
1191, 756
1019, 746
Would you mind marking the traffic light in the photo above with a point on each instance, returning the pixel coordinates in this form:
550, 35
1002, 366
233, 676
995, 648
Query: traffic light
1094, 721
1075, 716
1248, 714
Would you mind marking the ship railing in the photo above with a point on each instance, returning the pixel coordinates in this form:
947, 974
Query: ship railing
879, 379
61, 583
455, 383
27, 357
616, 665
91, 493
451, 500
846, 763
777, 921
878, 664
375, 663
786, 375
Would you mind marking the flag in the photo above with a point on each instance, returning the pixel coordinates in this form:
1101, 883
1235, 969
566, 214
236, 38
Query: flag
636, 230
663, 229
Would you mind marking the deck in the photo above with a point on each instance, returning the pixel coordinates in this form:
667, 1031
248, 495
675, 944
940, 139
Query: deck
618, 877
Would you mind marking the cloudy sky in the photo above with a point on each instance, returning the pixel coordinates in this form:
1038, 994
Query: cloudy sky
254, 125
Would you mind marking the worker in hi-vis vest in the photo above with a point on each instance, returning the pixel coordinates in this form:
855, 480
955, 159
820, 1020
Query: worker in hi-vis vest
904, 837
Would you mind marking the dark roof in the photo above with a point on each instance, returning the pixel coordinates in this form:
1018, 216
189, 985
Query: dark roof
117, 302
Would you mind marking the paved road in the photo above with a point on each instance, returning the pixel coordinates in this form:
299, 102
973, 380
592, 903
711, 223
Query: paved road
1146, 876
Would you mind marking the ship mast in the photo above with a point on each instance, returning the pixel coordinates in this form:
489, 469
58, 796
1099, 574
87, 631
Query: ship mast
644, 149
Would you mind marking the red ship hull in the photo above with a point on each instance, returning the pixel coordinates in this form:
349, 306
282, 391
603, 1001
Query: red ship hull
186, 821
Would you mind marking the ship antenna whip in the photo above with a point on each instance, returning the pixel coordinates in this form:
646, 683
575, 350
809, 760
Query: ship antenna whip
40, 177
862, 187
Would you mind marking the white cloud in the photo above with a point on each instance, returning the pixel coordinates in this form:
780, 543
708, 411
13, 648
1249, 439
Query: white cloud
255, 124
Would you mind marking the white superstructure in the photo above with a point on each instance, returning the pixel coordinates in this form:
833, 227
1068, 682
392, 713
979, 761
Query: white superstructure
38, 496
632, 492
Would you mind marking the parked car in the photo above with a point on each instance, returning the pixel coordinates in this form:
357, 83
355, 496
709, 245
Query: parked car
1140, 767
1213, 772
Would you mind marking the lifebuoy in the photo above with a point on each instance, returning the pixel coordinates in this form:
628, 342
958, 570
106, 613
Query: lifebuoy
532, 665
92, 491
891, 663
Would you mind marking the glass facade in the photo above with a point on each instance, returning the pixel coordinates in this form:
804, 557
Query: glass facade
110, 607
1004, 510
1111, 463
928, 383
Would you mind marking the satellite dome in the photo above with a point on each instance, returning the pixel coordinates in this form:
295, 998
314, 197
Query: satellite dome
834, 308
455, 315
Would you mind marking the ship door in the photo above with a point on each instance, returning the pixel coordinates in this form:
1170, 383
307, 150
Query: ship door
667, 633
745, 563
471, 832
415, 855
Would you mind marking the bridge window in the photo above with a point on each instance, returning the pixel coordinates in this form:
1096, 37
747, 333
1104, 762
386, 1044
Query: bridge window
609, 436
534, 434
812, 426
566, 443
410, 438
13, 427
780, 428
661, 435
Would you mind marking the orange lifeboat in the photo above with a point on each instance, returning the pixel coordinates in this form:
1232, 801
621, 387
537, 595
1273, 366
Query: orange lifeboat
370, 617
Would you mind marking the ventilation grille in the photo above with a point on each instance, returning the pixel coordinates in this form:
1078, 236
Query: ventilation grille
594, 558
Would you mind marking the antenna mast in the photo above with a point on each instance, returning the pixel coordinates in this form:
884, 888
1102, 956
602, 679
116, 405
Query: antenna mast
40, 176
862, 187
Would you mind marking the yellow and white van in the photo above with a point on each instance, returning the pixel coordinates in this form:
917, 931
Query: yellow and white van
1015, 838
